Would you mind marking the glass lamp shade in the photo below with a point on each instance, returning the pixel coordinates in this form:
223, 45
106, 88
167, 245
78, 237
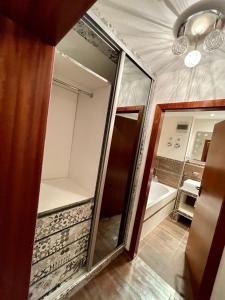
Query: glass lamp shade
192, 59
213, 40
180, 45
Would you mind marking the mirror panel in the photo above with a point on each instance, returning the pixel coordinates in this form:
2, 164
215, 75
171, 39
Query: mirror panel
133, 97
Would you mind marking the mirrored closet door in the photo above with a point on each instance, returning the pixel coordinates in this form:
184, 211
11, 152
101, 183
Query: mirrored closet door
115, 203
79, 111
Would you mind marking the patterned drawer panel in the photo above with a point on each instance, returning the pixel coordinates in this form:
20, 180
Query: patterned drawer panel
56, 242
54, 279
58, 259
58, 221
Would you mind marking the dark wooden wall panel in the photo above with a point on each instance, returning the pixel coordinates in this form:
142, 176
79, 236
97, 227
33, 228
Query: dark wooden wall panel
25, 81
206, 238
120, 166
49, 19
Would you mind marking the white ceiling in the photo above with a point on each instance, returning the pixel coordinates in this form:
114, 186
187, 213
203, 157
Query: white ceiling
146, 26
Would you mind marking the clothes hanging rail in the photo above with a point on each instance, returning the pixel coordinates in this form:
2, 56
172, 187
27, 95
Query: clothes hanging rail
71, 87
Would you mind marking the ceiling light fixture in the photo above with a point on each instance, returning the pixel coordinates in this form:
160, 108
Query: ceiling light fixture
212, 115
192, 59
203, 29
180, 45
200, 25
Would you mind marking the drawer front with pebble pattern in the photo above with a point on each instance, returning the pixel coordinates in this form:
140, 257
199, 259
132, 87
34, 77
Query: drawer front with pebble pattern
58, 259
58, 241
56, 222
53, 280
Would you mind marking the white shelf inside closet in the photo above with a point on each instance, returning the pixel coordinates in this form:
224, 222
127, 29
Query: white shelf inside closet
55, 193
74, 136
72, 72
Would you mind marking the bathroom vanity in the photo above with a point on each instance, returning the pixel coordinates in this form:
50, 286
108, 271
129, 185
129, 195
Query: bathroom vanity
188, 189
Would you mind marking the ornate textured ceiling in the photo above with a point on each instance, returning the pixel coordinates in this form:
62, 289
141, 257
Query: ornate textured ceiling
146, 27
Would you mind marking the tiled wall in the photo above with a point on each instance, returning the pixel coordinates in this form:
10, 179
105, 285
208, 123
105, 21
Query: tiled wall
169, 171
193, 171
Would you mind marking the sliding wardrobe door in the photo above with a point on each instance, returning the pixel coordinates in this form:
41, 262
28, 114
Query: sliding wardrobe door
120, 164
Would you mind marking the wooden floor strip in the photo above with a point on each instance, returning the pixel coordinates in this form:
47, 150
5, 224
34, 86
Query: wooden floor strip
157, 273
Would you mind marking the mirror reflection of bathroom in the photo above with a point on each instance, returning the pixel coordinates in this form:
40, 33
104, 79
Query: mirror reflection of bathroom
84, 71
181, 155
117, 182
133, 97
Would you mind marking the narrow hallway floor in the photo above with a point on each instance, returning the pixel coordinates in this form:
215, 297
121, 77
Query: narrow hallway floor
157, 273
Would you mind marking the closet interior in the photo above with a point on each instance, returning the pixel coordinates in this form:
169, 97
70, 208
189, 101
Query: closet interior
84, 71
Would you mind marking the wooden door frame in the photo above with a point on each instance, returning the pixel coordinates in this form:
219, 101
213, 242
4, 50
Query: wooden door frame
160, 110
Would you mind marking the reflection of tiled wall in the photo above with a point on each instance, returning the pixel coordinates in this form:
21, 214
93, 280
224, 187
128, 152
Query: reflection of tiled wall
193, 171
60, 248
168, 171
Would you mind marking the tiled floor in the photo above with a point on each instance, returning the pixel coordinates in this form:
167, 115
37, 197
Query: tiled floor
155, 274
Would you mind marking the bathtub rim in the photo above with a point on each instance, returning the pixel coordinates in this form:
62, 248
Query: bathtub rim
170, 190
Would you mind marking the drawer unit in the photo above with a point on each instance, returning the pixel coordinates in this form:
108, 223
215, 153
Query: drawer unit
56, 222
58, 259
54, 279
56, 242
60, 248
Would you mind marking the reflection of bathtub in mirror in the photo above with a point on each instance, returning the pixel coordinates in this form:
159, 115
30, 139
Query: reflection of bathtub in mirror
160, 204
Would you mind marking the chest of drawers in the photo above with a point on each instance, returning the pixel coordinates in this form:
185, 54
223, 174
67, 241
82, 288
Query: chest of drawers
60, 248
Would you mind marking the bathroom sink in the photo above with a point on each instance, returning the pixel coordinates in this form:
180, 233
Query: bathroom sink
191, 186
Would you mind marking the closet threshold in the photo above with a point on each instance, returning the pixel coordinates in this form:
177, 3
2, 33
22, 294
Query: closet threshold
71, 87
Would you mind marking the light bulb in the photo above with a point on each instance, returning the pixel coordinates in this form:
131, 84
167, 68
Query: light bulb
200, 25
192, 59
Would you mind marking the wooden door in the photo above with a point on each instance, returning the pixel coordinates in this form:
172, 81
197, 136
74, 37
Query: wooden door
120, 166
26, 67
207, 234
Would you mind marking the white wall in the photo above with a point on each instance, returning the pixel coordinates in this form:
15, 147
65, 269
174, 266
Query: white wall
60, 125
218, 292
88, 136
204, 82
169, 133
135, 86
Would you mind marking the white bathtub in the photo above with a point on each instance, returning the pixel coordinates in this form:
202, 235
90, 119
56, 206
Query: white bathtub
160, 204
